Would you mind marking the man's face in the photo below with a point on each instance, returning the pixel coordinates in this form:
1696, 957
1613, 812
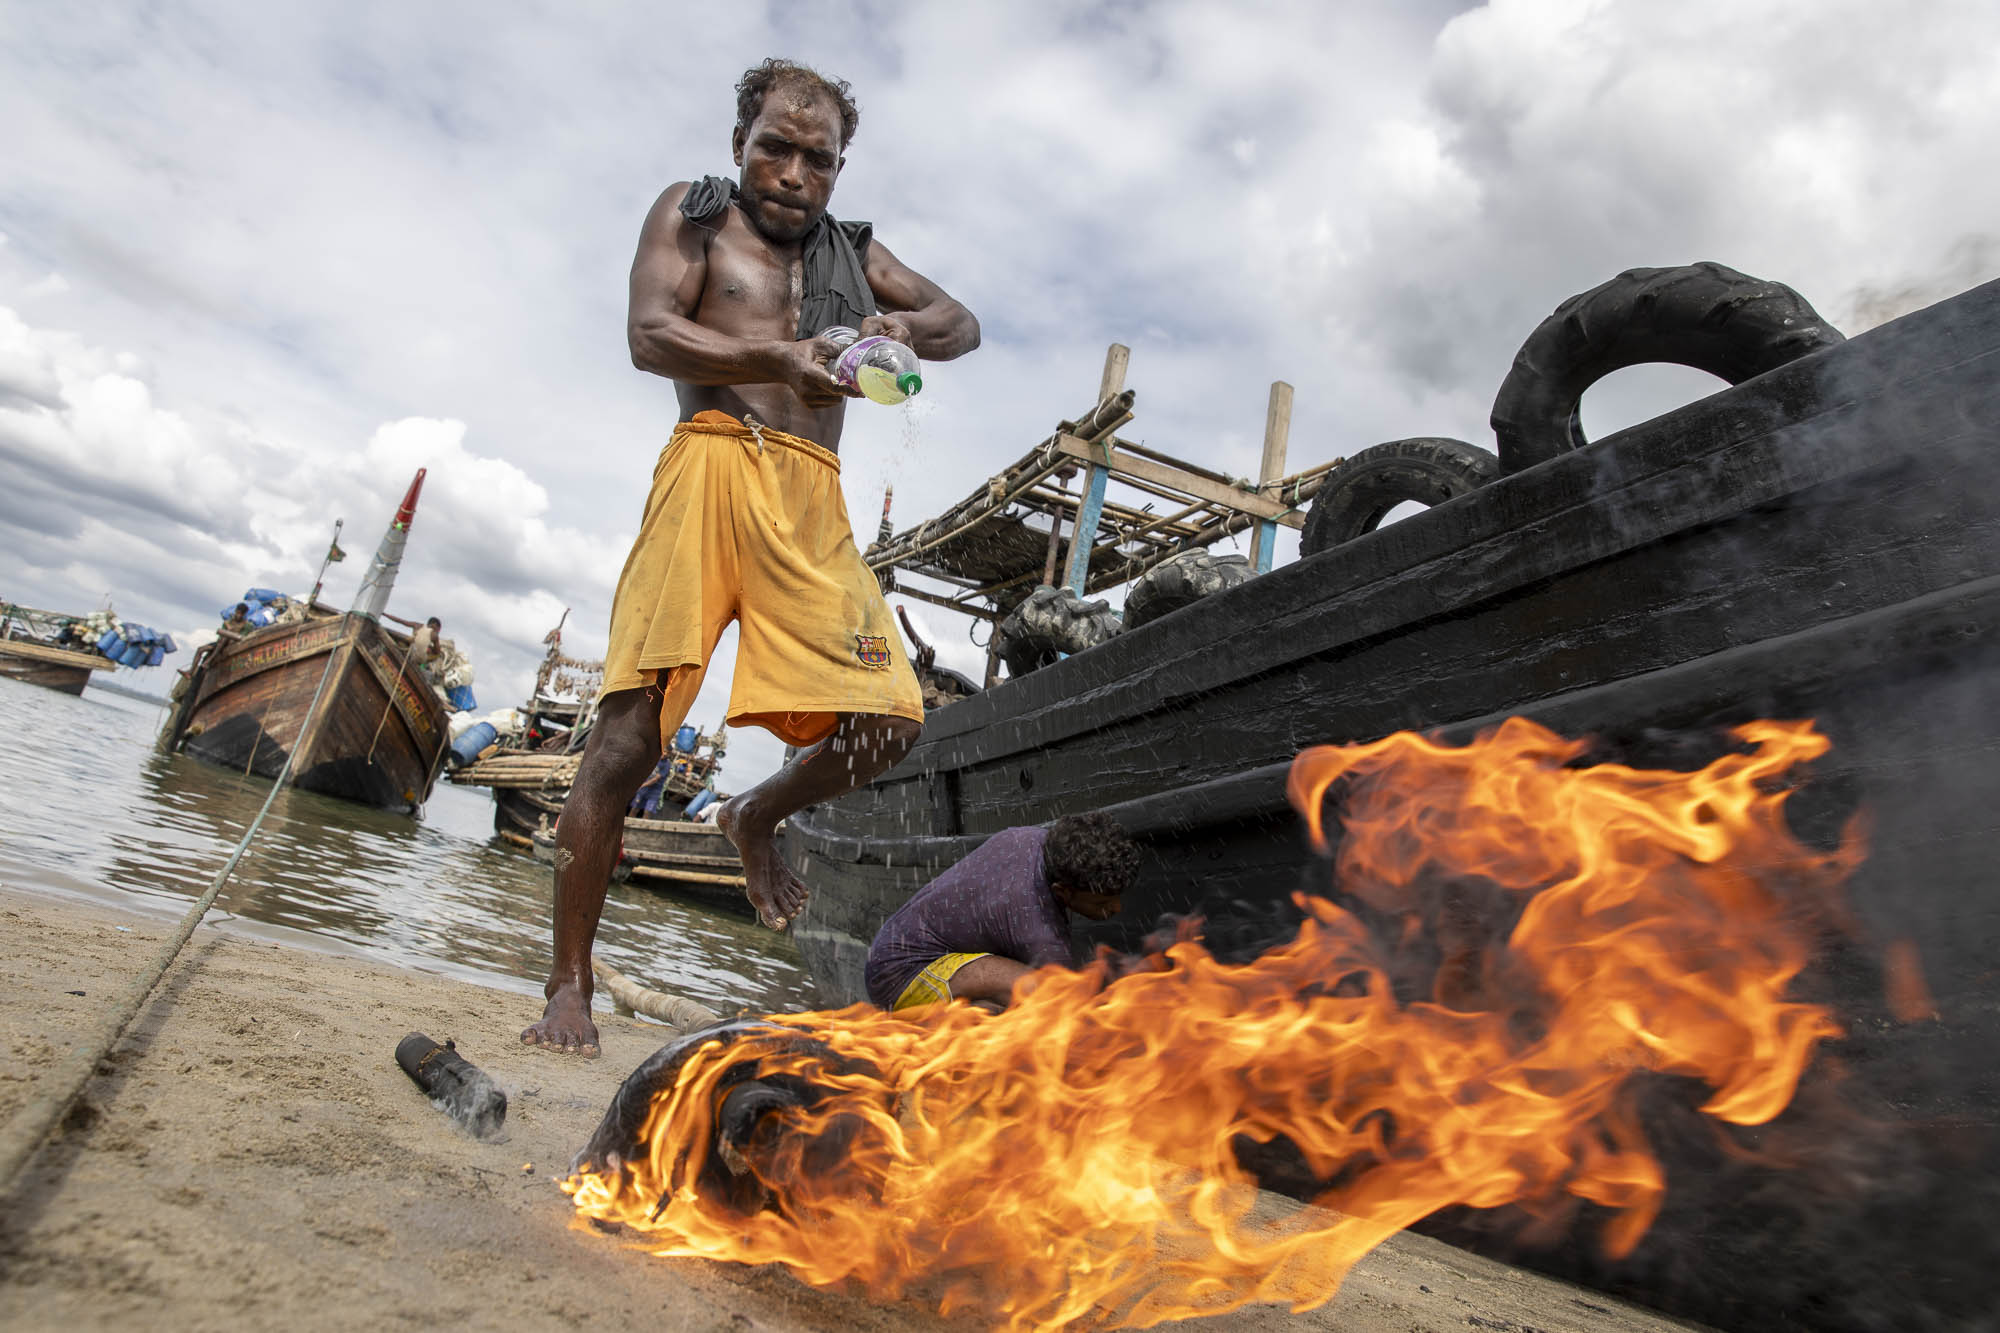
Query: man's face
790, 157
1093, 906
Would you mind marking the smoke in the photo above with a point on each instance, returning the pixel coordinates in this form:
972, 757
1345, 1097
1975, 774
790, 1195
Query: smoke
1971, 260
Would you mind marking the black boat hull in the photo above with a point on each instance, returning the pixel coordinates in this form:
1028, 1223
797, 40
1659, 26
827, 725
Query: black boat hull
1822, 541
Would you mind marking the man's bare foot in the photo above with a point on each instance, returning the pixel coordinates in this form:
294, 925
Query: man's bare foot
777, 894
565, 1025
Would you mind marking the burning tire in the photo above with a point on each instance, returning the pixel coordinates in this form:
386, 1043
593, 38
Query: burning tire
1359, 493
1051, 622
755, 1112
1182, 581
1702, 315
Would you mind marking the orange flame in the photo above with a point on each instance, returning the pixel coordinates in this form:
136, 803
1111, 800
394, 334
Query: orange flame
1074, 1156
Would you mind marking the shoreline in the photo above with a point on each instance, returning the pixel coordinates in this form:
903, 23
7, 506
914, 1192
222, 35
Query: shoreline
250, 1156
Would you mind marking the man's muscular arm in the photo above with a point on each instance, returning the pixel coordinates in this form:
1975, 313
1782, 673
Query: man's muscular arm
668, 275
916, 311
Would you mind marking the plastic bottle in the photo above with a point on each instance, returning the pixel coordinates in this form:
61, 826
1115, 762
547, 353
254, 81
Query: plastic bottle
884, 370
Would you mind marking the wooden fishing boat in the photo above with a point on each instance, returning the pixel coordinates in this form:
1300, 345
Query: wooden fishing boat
377, 735
530, 770
531, 764
51, 649
44, 664
332, 700
687, 859
1821, 540
529, 789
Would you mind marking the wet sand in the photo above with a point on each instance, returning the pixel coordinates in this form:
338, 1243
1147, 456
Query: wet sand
251, 1157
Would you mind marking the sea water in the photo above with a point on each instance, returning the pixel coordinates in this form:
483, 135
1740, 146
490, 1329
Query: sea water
94, 811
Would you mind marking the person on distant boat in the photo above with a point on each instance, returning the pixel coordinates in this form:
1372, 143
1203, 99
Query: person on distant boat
977, 929
427, 644
732, 283
645, 802
238, 622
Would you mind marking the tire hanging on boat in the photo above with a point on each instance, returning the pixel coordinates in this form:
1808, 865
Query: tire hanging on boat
1704, 315
1050, 623
1182, 580
1357, 495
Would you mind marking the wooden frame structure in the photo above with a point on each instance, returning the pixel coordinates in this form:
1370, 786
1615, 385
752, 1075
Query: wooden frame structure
995, 546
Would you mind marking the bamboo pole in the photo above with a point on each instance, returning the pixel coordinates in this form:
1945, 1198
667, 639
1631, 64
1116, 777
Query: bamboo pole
631, 997
1055, 527
1116, 359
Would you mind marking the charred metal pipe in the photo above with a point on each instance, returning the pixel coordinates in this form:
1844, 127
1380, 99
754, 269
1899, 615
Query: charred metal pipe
458, 1088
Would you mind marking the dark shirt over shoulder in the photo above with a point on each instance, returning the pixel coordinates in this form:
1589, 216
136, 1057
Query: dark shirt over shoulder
996, 901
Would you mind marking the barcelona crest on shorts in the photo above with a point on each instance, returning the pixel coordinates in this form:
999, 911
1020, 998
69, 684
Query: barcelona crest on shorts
872, 649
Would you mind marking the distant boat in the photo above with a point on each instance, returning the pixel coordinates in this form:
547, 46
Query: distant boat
531, 767
689, 860
37, 663
373, 733
60, 651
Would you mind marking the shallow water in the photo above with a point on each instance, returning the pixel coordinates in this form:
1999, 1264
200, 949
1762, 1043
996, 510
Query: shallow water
89, 806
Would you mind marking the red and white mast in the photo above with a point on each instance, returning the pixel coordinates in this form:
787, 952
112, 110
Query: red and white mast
373, 595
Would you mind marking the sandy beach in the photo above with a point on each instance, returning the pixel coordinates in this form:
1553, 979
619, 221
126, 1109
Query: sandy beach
251, 1157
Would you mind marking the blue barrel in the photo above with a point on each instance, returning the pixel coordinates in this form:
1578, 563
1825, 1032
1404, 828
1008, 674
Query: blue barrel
111, 644
472, 740
134, 655
684, 740
702, 800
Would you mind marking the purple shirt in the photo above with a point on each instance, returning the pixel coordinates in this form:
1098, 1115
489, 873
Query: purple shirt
997, 900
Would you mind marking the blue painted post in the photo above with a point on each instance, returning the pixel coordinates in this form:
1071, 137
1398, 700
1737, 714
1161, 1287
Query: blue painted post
1264, 545
1277, 434
1085, 536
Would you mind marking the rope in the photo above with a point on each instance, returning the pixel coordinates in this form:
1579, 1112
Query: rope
389, 699
32, 1124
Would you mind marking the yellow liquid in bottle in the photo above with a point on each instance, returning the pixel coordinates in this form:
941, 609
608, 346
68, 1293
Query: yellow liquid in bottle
878, 385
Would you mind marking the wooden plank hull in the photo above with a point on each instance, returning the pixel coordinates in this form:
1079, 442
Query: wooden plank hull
48, 675
51, 668
517, 813
689, 860
694, 861
1823, 541
377, 736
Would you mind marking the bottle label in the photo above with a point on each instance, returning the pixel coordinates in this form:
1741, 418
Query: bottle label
847, 366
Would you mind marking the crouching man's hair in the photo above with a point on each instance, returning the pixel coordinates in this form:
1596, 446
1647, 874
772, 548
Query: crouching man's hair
1090, 853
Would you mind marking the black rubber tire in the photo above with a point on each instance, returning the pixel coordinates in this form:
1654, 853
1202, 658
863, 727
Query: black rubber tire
1181, 581
1361, 491
1053, 621
1703, 315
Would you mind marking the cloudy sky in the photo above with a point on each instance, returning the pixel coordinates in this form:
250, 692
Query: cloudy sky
259, 262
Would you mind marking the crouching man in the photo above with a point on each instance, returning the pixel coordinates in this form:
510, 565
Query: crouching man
1001, 913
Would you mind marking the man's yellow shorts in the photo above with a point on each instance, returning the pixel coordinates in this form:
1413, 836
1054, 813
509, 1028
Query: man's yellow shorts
933, 984
749, 525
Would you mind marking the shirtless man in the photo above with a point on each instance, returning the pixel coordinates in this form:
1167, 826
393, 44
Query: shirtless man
745, 520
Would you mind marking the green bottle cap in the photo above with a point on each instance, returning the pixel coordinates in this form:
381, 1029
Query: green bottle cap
911, 383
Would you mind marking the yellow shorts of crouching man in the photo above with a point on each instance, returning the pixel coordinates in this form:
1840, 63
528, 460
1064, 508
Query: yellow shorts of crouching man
933, 984
747, 523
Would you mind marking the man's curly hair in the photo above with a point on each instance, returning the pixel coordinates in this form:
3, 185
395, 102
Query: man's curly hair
1090, 853
758, 83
